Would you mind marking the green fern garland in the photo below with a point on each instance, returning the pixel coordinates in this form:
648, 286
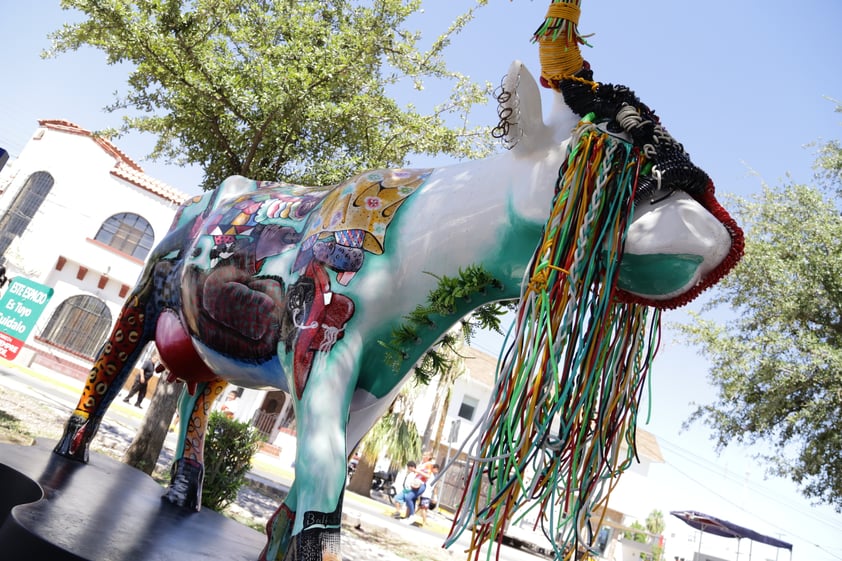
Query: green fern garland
443, 301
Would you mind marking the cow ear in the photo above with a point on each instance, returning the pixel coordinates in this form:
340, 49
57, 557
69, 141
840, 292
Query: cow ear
520, 108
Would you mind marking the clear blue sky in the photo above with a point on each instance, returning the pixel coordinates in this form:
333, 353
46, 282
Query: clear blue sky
743, 84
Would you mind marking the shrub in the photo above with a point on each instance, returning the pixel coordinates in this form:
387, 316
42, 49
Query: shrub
229, 447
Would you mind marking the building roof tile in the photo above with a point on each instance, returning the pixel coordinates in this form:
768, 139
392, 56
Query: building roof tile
124, 167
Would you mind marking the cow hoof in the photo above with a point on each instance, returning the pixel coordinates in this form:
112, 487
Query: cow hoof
77, 436
185, 488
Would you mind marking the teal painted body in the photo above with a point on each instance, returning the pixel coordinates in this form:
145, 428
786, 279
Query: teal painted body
657, 273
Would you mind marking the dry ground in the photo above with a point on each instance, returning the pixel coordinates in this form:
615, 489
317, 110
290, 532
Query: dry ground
23, 419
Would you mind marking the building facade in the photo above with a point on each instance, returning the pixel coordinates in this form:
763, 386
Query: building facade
79, 216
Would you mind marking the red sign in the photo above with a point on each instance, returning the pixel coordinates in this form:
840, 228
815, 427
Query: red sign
9, 346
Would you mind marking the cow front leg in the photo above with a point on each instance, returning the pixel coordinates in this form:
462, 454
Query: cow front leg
320, 468
188, 469
112, 367
317, 542
279, 530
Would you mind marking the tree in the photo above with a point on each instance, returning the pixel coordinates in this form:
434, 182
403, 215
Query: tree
449, 372
829, 164
146, 446
297, 91
655, 526
645, 533
637, 533
777, 362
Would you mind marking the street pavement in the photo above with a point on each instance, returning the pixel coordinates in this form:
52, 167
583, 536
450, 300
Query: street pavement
268, 472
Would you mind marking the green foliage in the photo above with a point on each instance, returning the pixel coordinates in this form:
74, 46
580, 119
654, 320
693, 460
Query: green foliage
396, 437
229, 447
279, 90
655, 525
777, 363
444, 301
12, 430
472, 280
648, 534
639, 537
395, 433
829, 163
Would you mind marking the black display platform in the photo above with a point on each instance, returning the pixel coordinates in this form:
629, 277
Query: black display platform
59, 509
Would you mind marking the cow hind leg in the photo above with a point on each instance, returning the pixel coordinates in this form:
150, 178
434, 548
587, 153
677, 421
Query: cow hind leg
112, 367
188, 469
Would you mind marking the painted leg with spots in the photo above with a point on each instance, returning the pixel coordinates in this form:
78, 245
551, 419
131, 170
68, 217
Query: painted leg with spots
188, 469
112, 367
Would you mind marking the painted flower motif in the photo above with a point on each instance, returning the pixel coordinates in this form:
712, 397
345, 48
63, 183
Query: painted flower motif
373, 203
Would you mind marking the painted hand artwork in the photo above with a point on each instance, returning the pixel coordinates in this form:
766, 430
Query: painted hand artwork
273, 285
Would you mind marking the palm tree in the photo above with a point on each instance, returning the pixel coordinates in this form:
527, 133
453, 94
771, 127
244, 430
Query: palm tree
395, 435
655, 525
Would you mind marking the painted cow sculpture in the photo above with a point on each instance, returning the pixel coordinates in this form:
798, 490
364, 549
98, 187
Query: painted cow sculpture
273, 285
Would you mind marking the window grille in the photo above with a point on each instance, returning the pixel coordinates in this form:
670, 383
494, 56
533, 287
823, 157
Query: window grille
80, 324
128, 233
23, 209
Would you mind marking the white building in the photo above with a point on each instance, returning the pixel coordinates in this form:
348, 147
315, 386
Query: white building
80, 216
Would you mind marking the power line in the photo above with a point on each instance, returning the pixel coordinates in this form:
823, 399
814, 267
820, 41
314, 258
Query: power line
753, 485
786, 531
705, 464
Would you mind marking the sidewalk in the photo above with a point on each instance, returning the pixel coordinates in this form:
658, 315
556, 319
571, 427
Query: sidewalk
70, 388
269, 474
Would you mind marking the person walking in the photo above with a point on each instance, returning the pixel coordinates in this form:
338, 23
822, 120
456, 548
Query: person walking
408, 479
141, 383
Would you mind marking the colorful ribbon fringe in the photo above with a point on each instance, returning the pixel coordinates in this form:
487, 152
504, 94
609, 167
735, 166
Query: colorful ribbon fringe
569, 384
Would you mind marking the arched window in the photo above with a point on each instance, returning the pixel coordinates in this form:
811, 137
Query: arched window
129, 233
23, 209
80, 324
